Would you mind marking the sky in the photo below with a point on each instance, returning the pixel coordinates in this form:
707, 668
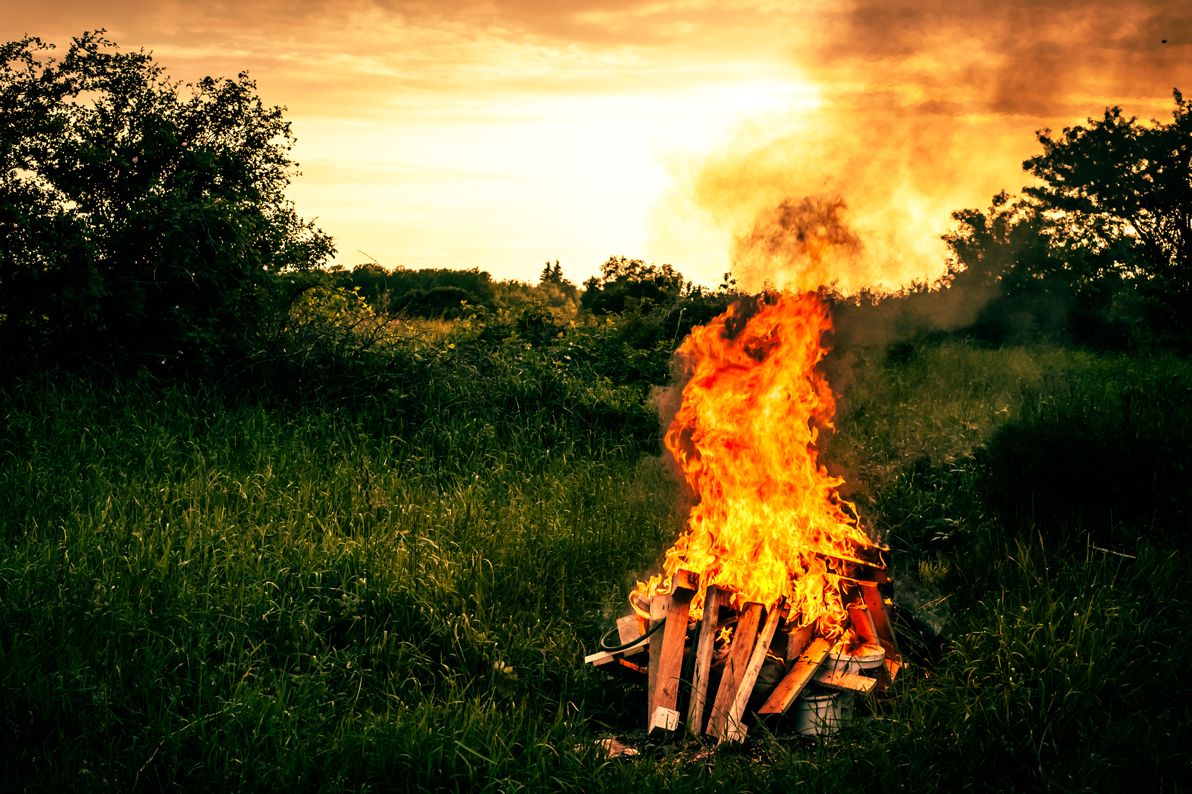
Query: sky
503, 134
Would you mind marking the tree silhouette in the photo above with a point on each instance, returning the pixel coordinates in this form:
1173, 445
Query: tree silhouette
624, 280
1120, 194
1107, 235
139, 221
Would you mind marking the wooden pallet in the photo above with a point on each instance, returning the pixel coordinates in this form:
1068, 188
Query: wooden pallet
759, 631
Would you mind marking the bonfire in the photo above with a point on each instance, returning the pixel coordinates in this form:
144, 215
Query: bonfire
773, 569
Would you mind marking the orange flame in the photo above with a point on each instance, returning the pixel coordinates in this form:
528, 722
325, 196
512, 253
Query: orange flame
769, 522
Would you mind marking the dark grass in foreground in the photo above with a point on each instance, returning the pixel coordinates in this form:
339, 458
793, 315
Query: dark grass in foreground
205, 592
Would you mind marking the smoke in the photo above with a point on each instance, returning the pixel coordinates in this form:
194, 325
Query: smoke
798, 245
923, 108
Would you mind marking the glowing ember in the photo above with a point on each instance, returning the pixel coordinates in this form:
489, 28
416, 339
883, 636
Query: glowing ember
769, 522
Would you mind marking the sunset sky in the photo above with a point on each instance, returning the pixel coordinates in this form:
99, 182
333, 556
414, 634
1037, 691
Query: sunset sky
503, 134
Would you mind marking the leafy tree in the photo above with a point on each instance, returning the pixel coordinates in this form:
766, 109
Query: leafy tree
1099, 251
373, 282
444, 301
624, 281
474, 284
1120, 195
1007, 255
139, 221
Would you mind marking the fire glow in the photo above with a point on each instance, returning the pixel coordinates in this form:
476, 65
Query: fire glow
769, 523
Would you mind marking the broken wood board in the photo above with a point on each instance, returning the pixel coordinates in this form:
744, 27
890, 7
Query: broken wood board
659, 605
734, 668
670, 662
882, 626
628, 629
664, 719
862, 624
703, 659
797, 641
735, 731
797, 677
845, 682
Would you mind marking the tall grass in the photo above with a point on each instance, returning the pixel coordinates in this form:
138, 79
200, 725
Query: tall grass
206, 590
192, 586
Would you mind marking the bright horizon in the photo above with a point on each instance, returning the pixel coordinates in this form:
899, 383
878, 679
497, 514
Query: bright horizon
501, 135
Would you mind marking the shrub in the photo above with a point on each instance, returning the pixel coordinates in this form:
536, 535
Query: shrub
138, 224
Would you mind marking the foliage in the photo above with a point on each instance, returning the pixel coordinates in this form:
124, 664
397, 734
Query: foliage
558, 293
1124, 192
370, 279
623, 282
1127, 442
1119, 183
412, 286
137, 220
446, 302
1099, 252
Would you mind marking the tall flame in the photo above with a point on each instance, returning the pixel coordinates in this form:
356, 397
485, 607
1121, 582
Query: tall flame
769, 522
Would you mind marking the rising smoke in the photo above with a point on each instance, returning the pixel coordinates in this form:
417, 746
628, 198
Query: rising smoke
924, 108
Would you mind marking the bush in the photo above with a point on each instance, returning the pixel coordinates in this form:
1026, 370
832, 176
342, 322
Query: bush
445, 302
138, 225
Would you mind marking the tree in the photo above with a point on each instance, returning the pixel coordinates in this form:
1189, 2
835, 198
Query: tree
552, 274
558, 292
622, 281
139, 221
1099, 251
1120, 195
1006, 259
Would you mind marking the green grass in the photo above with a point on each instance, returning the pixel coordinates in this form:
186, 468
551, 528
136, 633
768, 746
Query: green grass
206, 590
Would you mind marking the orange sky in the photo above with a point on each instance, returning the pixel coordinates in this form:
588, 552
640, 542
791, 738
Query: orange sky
502, 134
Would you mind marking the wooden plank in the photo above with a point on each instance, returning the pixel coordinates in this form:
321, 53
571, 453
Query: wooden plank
845, 682
735, 730
703, 659
798, 640
882, 627
684, 580
670, 663
797, 677
734, 668
659, 605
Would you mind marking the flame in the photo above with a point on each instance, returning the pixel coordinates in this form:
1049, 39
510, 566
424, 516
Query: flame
769, 523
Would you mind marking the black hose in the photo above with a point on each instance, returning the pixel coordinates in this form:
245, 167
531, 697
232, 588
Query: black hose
632, 642
690, 628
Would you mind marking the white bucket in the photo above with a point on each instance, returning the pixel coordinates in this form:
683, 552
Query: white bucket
865, 661
820, 712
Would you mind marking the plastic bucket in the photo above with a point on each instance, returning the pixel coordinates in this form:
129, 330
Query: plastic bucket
865, 661
819, 712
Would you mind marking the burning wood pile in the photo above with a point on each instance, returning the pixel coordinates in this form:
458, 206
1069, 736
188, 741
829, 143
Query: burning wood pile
773, 596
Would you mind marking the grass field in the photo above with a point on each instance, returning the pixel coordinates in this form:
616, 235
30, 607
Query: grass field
227, 591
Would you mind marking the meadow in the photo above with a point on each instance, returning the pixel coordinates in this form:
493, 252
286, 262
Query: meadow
261, 587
